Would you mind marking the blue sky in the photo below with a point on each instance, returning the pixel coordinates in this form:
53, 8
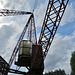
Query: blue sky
63, 44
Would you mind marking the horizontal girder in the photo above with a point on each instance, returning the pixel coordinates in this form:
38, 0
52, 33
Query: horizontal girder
6, 12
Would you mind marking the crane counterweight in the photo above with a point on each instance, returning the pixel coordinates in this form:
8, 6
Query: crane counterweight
32, 54
25, 53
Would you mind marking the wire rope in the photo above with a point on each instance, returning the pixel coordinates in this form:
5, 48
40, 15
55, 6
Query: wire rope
35, 4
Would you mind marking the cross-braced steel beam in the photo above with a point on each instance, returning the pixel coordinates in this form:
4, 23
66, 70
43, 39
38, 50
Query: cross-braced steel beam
54, 13
6, 12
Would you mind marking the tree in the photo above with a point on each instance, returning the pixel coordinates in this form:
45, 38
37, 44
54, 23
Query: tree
72, 63
56, 72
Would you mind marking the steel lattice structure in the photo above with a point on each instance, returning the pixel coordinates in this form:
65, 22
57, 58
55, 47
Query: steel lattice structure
53, 16
51, 22
6, 12
32, 37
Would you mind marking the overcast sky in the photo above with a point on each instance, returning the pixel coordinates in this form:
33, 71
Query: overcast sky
63, 44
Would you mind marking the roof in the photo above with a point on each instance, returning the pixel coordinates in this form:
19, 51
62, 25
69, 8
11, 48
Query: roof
2, 60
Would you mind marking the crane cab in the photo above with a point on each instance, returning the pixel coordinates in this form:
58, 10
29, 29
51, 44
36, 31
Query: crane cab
25, 53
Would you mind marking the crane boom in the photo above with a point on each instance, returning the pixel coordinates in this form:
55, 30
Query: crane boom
54, 13
53, 16
6, 12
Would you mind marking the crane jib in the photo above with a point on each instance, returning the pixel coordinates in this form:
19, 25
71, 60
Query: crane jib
52, 19
53, 16
6, 12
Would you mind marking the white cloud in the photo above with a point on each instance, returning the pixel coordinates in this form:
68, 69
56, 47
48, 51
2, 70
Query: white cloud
6, 32
10, 29
9, 36
17, 4
69, 15
60, 52
40, 13
1, 4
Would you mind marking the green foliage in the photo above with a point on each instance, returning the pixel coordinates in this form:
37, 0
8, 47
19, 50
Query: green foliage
72, 73
72, 63
56, 72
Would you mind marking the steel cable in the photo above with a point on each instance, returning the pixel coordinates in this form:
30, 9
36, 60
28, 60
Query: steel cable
35, 4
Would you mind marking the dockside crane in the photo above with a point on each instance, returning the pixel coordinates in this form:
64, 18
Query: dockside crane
30, 53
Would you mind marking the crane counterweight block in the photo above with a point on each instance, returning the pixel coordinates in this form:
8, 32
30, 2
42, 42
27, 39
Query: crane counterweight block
37, 52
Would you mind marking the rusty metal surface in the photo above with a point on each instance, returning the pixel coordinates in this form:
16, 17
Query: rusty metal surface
53, 16
32, 31
30, 24
4, 66
37, 63
23, 61
6, 12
